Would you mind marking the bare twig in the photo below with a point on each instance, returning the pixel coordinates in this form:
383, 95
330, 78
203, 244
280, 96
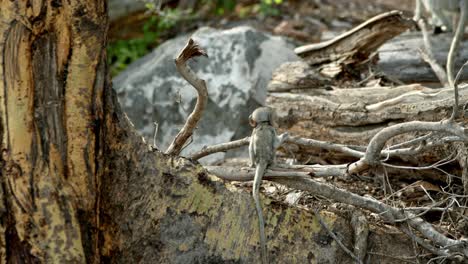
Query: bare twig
442, 162
454, 47
378, 142
220, 148
428, 55
455, 90
306, 142
338, 241
191, 50
247, 174
352, 151
421, 242
156, 127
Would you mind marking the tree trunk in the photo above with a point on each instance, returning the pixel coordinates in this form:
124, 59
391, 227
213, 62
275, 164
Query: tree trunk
79, 185
51, 105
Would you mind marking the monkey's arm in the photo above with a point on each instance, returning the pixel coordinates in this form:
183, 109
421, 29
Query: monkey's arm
280, 139
251, 151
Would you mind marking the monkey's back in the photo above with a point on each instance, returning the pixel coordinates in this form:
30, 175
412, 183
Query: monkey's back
263, 138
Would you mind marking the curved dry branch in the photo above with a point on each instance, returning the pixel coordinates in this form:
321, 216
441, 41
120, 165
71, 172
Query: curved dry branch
351, 151
456, 89
220, 148
307, 142
454, 47
190, 50
378, 142
389, 213
303, 142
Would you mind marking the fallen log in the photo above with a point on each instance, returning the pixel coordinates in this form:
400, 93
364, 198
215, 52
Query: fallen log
401, 58
354, 116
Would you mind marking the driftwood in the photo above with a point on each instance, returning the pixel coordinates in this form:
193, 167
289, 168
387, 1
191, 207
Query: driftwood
402, 59
360, 42
352, 116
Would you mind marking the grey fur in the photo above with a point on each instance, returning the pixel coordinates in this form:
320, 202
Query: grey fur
263, 144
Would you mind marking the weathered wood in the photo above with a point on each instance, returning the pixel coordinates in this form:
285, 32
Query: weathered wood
353, 116
359, 42
399, 59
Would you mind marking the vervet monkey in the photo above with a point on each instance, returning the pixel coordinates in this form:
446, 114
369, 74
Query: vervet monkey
263, 144
439, 9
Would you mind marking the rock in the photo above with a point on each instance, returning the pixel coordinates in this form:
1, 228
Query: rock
240, 65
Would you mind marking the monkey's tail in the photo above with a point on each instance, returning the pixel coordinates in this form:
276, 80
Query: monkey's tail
259, 171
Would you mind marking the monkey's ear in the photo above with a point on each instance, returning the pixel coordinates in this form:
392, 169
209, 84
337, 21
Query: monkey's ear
272, 117
252, 122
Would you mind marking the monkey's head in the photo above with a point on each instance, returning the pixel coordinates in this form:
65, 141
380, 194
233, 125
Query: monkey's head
262, 115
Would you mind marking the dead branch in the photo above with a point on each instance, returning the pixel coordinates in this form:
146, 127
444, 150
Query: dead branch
362, 40
191, 50
455, 85
303, 142
330, 232
351, 151
428, 56
220, 148
387, 212
280, 170
307, 142
423, 243
378, 142
247, 173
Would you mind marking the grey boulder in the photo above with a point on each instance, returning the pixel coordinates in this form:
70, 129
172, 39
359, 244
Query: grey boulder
240, 65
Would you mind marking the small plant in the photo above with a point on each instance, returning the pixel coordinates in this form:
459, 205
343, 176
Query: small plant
269, 7
223, 6
123, 52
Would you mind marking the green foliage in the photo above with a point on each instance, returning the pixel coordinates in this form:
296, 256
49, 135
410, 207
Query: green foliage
269, 7
223, 6
262, 7
123, 52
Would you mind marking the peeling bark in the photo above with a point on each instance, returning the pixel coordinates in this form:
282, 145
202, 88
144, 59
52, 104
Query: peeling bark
50, 113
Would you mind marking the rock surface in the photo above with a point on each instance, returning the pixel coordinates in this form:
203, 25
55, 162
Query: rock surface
240, 65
